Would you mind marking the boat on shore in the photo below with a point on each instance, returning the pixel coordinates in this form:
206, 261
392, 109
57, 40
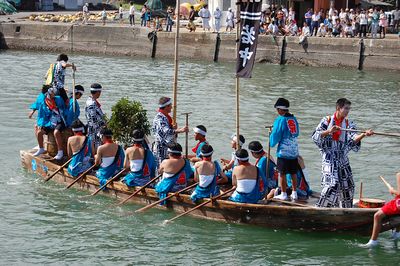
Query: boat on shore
272, 214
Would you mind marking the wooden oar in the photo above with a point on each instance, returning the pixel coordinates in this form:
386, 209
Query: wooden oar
386, 183
108, 182
290, 203
375, 133
139, 190
58, 170
166, 198
201, 205
81, 176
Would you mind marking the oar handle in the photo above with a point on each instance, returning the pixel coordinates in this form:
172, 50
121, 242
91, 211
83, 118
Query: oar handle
81, 176
166, 198
139, 190
375, 133
108, 182
58, 170
202, 204
386, 183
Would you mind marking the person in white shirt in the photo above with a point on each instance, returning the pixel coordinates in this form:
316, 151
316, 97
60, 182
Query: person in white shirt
363, 24
396, 19
132, 14
205, 15
217, 19
273, 29
314, 23
321, 32
121, 13
85, 13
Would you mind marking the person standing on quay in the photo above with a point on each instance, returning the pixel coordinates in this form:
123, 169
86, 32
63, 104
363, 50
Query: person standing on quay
94, 114
217, 20
132, 14
334, 145
205, 16
164, 130
85, 13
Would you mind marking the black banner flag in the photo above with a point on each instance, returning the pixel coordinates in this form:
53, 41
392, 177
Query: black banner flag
250, 13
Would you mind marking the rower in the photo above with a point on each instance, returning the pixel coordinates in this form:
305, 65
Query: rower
175, 172
139, 161
94, 114
269, 181
206, 173
200, 133
71, 114
81, 148
230, 164
246, 179
110, 157
51, 118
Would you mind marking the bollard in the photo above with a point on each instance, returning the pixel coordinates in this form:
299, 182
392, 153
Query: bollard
217, 45
152, 36
361, 57
283, 51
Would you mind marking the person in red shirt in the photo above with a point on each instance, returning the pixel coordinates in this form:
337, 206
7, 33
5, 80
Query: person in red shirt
390, 208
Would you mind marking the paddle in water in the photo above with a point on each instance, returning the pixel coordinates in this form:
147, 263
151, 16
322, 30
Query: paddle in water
81, 176
200, 205
58, 170
166, 198
139, 190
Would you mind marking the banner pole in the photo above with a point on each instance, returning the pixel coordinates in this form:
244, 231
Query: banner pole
237, 78
176, 62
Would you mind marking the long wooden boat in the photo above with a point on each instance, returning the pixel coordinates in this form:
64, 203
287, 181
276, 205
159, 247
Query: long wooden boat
268, 214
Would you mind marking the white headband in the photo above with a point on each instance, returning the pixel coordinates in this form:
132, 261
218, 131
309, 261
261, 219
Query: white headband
242, 159
78, 129
174, 151
256, 151
200, 131
95, 89
282, 107
137, 139
78, 90
206, 154
165, 104
234, 138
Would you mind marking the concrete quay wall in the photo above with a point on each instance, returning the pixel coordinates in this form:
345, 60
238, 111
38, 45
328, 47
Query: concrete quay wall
114, 40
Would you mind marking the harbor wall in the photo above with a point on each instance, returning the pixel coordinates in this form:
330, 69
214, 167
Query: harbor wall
134, 41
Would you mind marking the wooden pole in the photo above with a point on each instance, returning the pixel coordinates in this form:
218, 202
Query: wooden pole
166, 198
386, 183
81, 176
237, 78
176, 62
201, 205
361, 190
108, 182
187, 134
269, 152
73, 89
58, 170
375, 133
139, 190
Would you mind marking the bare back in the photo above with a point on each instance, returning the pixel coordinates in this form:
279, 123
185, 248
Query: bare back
244, 172
172, 166
106, 150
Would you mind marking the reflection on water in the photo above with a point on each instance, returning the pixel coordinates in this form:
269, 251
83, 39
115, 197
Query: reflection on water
41, 223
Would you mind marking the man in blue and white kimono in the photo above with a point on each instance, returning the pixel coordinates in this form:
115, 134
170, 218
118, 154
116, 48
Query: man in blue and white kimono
335, 144
81, 149
94, 114
164, 129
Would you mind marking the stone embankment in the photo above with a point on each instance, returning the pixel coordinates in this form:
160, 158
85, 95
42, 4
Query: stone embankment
134, 41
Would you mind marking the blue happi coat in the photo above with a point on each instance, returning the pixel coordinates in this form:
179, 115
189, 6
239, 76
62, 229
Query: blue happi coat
267, 183
175, 182
81, 159
145, 174
39, 100
284, 133
70, 115
198, 147
105, 173
211, 190
253, 197
303, 188
47, 117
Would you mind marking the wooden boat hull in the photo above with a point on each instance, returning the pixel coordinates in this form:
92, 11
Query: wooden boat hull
272, 215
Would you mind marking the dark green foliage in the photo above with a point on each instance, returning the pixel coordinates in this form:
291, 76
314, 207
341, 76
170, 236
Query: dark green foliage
127, 116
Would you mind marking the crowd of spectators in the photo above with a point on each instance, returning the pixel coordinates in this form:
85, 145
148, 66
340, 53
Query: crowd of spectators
347, 23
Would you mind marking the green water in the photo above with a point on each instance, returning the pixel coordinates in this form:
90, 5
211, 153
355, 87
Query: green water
43, 224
